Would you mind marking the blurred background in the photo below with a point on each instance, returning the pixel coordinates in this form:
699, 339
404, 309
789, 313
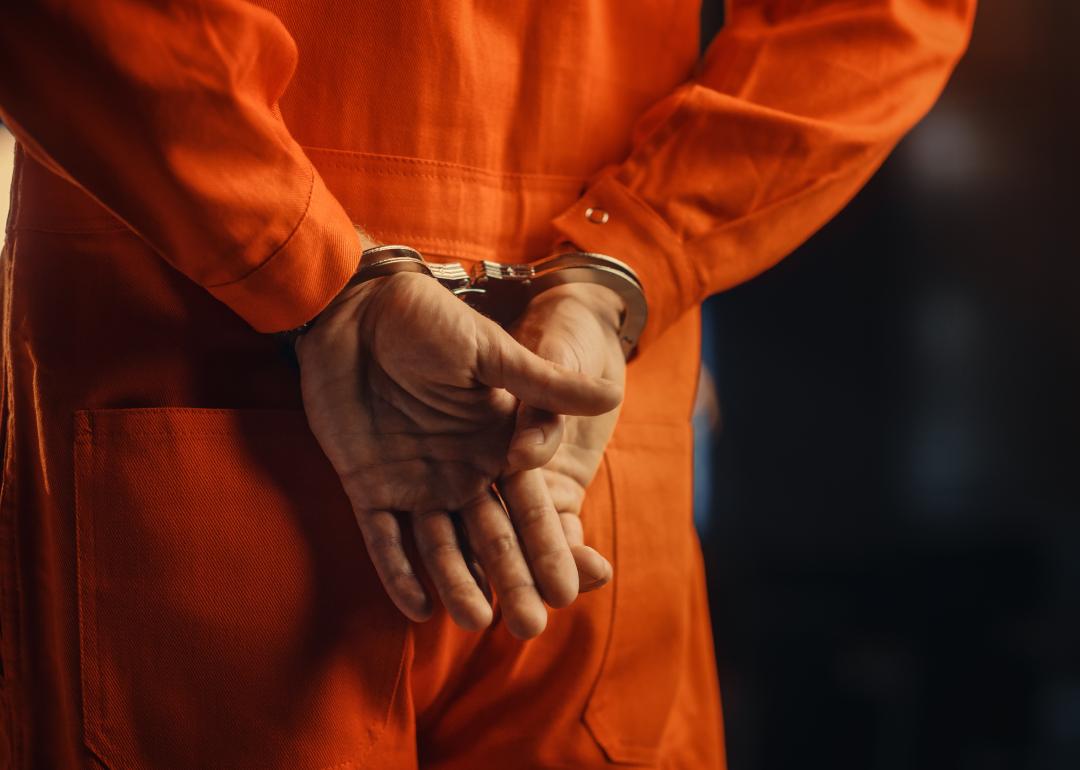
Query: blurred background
889, 495
888, 465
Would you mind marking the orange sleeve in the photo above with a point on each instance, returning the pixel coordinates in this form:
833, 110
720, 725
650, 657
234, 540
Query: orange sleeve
166, 113
794, 106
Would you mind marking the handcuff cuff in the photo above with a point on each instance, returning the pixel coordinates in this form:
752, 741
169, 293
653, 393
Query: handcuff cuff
503, 291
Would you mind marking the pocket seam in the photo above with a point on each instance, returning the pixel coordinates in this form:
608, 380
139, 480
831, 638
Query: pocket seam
86, 540
95, 730
595, 717
602, 725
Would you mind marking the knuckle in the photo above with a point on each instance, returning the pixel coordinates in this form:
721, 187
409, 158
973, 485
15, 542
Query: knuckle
530, 516
460, 592
553, 556
440, 551
571, 523
525, 589
385, 542
401, 580
499, 547
427, 517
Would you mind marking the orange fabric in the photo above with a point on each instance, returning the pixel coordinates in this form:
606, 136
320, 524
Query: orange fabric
181, 585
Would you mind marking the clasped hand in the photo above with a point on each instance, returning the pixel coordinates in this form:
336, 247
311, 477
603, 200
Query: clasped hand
426, 408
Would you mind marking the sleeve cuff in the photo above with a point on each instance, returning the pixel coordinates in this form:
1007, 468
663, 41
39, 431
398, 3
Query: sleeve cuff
611, 220
304, 274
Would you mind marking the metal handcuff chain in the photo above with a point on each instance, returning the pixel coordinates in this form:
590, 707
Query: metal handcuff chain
503, 291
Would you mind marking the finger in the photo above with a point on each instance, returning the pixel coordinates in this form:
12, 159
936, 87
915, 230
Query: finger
471, 561
481, 579
438, 544
503, 362
572, 529
541, 533
567, 495
382, 536
594, 571
537, 435
492, 538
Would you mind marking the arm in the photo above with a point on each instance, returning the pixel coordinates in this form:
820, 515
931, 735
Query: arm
166, 113
794, 106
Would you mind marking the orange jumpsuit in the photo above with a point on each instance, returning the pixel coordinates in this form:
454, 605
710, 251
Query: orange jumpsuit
181, 580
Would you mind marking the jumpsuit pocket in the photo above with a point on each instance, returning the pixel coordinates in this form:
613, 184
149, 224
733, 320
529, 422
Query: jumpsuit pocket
630, 707
228, 613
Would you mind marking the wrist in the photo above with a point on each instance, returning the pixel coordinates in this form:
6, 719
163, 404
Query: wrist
351, 289
377, 262
604, 303
366, 241
627, 313
346, 310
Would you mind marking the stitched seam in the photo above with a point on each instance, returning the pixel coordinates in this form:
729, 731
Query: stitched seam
680, 253
71, 230
459, 241
570, 182
98, 744
93, 736
361, 157
296, 228
606, 459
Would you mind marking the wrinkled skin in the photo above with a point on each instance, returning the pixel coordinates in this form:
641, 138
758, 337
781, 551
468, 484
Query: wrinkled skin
576, 326
422, 404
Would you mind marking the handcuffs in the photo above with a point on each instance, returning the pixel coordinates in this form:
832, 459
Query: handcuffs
502, 291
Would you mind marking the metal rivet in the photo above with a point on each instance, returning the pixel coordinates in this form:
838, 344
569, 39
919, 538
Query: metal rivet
597, 216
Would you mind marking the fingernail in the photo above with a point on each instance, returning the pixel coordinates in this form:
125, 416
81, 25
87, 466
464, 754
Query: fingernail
600, 576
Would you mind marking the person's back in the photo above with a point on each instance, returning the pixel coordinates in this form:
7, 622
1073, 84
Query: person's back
184, 582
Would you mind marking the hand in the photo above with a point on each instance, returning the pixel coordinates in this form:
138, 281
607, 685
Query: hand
413, 396
576, 327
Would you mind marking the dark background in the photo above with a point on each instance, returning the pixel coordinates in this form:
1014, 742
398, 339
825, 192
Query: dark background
891, 520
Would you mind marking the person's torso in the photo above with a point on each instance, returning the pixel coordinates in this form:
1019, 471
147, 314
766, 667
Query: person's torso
464, 127
459, 128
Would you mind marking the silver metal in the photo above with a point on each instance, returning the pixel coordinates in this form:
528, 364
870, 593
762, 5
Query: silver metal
503, 291
384, 260
509, 287
597, 216
451, 275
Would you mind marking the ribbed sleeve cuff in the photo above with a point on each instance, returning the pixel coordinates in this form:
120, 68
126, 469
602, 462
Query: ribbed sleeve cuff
611, 220
304, 274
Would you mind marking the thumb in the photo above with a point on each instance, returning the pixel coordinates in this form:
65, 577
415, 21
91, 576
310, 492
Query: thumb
537, 435
594, 571
503, 362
